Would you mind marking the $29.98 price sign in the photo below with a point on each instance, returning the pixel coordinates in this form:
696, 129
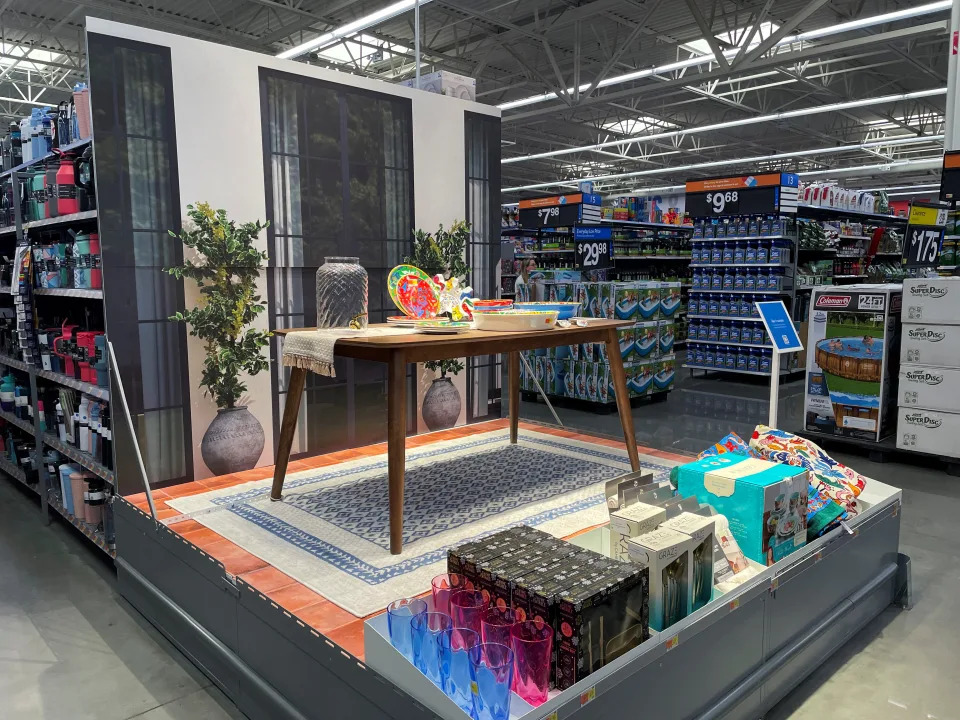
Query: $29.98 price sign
594, 254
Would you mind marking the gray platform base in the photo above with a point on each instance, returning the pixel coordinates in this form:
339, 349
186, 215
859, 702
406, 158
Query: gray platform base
733, 659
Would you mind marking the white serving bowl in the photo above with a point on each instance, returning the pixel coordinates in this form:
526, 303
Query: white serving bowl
516, 320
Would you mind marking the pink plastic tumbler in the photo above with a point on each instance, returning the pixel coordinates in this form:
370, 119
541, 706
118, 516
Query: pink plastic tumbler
532, 643
466, 609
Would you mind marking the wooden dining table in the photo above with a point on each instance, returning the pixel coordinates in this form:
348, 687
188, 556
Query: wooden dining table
399, 350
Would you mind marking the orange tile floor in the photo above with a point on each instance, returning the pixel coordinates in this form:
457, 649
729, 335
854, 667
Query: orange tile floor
325, 617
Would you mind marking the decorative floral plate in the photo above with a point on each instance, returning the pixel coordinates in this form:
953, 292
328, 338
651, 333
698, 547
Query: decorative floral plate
413, 291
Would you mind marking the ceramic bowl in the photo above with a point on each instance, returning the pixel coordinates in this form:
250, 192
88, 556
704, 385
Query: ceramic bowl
515, 320
482, 306
564, 310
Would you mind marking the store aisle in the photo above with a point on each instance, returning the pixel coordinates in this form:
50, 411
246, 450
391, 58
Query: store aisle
70, 646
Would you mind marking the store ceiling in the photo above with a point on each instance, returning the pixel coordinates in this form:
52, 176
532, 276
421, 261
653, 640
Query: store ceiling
523, 49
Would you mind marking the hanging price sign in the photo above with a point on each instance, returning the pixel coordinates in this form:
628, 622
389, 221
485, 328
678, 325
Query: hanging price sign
742, 195
593, 248
950, 175
924, 238
559, 210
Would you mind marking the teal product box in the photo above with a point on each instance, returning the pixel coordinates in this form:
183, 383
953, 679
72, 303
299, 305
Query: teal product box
764, 502
540, 367
592, 381
600, 353
561, 352
549, 372
586, 352
591, 302
626, 305
648, 294
628, 337
569, 378
667, 331
605, 393
669, 299
573, 352
640, 378
665, 375
580, 380
647, 342
605, 293
564, 292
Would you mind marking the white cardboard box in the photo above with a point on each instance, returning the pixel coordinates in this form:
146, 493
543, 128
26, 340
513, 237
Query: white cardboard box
632, 521
928, 431
701, 529
447, 83
937, 345
931, 300
930, 388
668, 555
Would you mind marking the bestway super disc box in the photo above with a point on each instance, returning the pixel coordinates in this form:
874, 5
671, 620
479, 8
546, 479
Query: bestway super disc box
853, 358
932, 300
764, 502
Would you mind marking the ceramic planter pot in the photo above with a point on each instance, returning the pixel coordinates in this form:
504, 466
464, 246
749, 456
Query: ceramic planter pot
441, 405
233, 442
342, 285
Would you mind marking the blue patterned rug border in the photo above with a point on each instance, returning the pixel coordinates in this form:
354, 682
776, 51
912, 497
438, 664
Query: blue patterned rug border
247, 495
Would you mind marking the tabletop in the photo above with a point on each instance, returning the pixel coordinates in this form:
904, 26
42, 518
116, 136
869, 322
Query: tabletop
419, 347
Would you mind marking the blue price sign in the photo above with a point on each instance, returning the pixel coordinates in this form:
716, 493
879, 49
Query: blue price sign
779, 326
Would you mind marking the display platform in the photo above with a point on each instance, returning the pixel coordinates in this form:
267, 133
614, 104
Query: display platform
280, 650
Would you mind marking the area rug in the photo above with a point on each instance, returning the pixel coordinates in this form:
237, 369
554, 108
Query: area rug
331, 531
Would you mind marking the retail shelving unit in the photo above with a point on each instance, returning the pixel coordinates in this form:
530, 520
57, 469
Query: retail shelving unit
48, 488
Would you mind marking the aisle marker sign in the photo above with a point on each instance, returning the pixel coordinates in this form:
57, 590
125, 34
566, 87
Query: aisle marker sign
785, 339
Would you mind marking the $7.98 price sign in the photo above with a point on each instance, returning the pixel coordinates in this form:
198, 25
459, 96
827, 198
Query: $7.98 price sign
718, 201
546, 213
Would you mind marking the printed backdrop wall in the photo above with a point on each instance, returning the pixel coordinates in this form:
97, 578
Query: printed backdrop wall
212, 138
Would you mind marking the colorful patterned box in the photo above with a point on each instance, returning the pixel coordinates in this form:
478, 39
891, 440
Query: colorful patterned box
666, 374
647, 343
626, 301
764, 502
667, 333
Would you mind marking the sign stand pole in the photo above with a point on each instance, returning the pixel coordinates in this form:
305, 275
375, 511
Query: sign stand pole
774, 388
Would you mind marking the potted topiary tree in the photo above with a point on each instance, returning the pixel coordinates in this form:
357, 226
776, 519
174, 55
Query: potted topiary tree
226, 270
442, 254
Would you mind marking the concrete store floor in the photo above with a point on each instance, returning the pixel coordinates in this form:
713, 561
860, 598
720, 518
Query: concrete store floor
70, 647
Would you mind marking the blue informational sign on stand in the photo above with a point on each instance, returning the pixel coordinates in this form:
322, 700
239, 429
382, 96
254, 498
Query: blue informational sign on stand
779, 326
784, 337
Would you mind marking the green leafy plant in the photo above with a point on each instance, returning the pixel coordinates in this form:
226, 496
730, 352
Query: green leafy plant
442, 254
226, 270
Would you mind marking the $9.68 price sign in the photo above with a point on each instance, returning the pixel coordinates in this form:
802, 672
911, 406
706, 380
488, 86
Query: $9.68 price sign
594, 254
724, 202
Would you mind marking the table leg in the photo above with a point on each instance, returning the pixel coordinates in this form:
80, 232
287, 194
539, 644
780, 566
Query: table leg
396, 445
623, 397
291, 411
513, 373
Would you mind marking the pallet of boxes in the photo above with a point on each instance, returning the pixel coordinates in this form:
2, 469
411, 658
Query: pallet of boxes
929, 392
582, 372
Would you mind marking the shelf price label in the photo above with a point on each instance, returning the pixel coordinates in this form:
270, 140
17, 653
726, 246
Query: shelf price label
593, 248
924, 238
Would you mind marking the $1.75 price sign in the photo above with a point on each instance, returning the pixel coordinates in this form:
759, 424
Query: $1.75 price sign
924, 237
593, 248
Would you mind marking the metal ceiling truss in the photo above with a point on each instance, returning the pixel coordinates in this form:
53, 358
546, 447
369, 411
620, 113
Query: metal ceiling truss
576, 49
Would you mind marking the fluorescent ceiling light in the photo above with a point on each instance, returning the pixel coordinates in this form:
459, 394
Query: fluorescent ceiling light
351, 28
708, 58
914, 192
894, 166
866, 102
889, 142
902, 187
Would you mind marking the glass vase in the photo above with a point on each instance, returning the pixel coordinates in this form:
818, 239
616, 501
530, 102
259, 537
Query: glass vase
342, 293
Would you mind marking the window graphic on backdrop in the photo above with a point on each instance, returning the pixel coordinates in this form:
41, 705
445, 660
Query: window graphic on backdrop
339, 181
483, 250
138, 196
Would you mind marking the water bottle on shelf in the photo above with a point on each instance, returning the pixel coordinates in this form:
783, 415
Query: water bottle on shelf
739, 253
763, 253
723, 306
766, 358
727, 255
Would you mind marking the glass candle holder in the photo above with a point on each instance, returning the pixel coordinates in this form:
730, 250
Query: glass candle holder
532, 644
491, 671
455, 646
443, 586
400, 615
466, 609
427, 628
